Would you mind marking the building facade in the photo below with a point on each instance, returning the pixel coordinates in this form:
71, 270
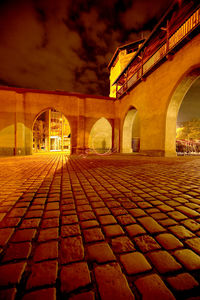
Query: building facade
149, 85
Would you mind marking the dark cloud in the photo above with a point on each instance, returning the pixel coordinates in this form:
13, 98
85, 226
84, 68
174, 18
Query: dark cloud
66, 44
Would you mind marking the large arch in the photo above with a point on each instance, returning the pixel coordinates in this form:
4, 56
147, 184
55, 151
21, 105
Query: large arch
176, 98
100, 137
51, 131
131, 132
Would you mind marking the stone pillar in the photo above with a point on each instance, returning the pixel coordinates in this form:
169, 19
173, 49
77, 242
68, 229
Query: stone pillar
116, 135
81, 127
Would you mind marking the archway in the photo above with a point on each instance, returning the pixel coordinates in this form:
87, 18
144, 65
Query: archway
51, 132
188, 122
183, 116
100, 138
131, 132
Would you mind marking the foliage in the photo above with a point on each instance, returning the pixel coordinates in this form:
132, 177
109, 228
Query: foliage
189, 130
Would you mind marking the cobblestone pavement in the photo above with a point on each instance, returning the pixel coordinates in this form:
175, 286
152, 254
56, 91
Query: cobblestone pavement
84, 228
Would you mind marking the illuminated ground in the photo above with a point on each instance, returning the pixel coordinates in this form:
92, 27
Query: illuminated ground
97, 227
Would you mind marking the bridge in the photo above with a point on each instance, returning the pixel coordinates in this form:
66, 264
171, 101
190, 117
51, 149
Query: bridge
149, 93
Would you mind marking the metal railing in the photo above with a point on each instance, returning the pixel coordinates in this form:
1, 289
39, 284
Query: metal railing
171, 42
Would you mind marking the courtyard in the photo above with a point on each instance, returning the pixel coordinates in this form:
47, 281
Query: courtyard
99, 227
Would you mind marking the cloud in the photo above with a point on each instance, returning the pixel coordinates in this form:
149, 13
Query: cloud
142, 12
67, 44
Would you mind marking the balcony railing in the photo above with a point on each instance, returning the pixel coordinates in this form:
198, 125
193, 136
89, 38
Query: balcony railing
171, 42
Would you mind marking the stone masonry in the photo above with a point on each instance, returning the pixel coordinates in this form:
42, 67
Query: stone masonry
118, 227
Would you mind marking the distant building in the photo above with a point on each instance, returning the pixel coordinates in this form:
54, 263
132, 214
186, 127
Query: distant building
119, 61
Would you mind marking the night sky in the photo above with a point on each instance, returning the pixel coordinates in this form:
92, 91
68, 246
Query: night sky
67, 44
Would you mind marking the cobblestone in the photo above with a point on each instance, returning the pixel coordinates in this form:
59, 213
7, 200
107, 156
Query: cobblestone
152, 287
135, 263
177, 282
112, 283
164, 262
79, 277
44, 273
100, 253
99, 227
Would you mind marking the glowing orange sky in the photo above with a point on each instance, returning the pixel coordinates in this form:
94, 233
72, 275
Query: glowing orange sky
66, 44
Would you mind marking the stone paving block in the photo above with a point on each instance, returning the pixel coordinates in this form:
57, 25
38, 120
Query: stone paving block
89, 224
34, 214
100, 253
112, 284
118, 211
188, 211
52, 206
113, 230
146, 243
151, 225
164, 262
51, 214
182, 282
167, 222
17, 212
17, 251
67, 206
128, 204
9, 222
72, 219
134, 230
135, 263
181, 232
41, 294
8, 294
191, 225
30, 223
42, 274
69, 212
93, 235
102, 211
137, 212
84, 208
84, 216
107, 219
24, 235
5, 235
79, 277
188, 258
194, 244
152, 287
98, 204
168, 241
46, 251
48, 234
122, 244
72, 249
83, 296
11, 273
177, 215
48, 223
36, 207
159, 216
126, 219
70, 230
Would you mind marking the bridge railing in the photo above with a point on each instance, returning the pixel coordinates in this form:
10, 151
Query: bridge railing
170, 43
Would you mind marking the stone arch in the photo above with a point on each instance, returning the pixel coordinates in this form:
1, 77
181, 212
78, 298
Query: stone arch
131, 131
175, 100
52, 128
100, 137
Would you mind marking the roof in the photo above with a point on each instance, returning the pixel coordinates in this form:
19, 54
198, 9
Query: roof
126, 46
57, 92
